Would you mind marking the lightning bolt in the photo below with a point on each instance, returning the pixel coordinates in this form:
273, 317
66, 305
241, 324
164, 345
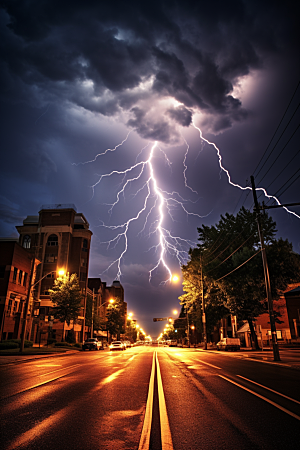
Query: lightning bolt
163, 204
244, 188
156, 202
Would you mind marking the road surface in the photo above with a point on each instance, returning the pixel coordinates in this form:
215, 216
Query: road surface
150, 398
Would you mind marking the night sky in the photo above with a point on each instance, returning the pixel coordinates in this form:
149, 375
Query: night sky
79, 78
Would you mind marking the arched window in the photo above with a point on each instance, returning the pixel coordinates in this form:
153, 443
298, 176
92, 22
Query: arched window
52, 240
26, 241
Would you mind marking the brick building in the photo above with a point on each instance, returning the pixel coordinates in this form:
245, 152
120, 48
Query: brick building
287, 325
101, 294
15, 268
60, 238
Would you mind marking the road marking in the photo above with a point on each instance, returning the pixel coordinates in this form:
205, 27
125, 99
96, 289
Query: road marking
112, 377
265, 387
34, 387
203, 362
145, 436
57, 370
263, 398
38, 429
166, 438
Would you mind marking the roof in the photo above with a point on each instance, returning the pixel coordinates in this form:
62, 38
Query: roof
60, 206
294, 291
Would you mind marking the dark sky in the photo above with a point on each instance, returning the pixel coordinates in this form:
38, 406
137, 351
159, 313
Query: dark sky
78, 76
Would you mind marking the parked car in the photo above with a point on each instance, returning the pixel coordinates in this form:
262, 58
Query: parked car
92, 344
117, 345
229, 344
128, 344
172, 343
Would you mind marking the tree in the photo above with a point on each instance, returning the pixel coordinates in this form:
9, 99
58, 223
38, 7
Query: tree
232, 266
115, 316
67, 298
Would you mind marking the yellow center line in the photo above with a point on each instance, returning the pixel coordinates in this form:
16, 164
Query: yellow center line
145, 436
166, 438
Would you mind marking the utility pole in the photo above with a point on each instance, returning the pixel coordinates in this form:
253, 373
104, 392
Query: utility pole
267, 277
26, 306
203, 305
92, 322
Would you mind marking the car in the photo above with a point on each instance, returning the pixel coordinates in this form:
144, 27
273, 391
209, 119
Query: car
117, 345
127, 343
229, 344
92, 344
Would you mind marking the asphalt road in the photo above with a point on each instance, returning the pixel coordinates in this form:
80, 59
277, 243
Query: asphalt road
149, 398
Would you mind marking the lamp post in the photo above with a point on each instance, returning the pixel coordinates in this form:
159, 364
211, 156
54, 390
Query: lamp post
61, 272
111, 301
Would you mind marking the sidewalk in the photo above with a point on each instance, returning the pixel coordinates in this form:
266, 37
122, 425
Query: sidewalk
289, 357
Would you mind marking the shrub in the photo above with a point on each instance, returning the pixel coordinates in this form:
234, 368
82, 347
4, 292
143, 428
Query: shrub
62, 344
51, 341
7, 345
78, 345
27, 344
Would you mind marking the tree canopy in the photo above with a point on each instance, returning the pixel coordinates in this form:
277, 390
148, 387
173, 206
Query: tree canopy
67, 298
233, 276
115, 318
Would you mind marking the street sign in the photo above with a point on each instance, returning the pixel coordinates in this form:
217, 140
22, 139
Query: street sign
159, 319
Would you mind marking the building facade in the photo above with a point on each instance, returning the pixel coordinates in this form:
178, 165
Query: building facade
60, 238
102, 294
15, 269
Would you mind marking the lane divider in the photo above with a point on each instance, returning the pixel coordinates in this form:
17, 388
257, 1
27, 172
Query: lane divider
166, 438
262, 397
272, 390
145, 436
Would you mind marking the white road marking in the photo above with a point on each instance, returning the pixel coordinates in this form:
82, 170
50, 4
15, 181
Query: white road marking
263, 398
265, 387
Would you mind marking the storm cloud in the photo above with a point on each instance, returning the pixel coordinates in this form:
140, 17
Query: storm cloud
115, 58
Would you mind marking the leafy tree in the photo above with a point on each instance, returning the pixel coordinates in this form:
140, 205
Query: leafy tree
131, 330
232, 267
67, 298
115, 316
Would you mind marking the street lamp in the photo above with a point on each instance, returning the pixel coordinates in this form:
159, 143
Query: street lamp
26, 306
111, 301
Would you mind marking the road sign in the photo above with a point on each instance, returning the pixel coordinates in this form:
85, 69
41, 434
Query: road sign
159, 319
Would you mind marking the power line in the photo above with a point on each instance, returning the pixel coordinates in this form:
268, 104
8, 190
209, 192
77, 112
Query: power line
294, 93
240, 265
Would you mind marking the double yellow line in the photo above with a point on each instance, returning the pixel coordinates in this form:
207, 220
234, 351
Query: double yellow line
166, 438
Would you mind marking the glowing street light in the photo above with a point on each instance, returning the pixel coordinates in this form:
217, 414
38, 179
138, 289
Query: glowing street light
175, 278
61, 272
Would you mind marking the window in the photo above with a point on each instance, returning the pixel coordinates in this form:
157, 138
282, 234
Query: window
50, 275
52, 240
26, 241
21, 306
83, 276
83, 262
9, 306
15, 274
25, 279
20, 276
15, 306
85, 245
50, 258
